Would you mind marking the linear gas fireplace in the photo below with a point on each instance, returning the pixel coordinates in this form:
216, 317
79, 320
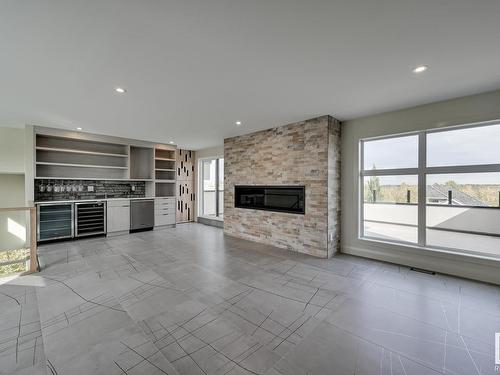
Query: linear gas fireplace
271, 198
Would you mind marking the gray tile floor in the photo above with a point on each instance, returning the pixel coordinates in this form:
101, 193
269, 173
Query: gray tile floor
191, 301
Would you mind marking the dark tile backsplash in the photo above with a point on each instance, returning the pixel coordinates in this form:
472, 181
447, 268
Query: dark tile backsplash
79, 189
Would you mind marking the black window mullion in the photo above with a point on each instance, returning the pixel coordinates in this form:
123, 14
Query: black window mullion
216, 187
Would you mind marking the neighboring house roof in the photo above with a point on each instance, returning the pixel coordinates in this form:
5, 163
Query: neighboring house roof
437, 191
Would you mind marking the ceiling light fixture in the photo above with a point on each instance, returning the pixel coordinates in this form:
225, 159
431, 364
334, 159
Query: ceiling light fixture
238, 123
120, 90
171, 142
420, 69
78, 128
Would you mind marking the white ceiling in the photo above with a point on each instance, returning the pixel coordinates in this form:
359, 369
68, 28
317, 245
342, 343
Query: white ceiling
194, 67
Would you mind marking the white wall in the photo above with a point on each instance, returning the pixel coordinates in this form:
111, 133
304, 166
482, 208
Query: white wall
11, 190
212, 152
475, 108
11, 150
12, 155
12, 224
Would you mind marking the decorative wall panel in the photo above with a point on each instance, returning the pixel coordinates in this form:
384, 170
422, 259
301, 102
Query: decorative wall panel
185, 185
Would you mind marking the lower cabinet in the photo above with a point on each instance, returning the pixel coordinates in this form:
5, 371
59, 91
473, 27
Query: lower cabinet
118, 216
164, 211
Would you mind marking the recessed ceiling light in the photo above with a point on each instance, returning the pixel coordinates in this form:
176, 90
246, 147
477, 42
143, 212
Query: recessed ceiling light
78, 128
120, 90
420, 68
171, 142
238, 123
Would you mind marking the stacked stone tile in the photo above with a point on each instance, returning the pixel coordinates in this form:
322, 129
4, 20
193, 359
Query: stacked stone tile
304, 153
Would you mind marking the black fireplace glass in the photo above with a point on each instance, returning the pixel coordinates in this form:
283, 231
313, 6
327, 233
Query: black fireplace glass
271, 198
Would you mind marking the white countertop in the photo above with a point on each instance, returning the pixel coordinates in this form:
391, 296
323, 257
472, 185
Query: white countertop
96, 200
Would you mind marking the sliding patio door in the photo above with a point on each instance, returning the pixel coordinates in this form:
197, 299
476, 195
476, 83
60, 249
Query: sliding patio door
212, 187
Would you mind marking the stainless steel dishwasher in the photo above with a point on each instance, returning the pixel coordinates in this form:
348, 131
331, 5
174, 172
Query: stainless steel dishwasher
142, 214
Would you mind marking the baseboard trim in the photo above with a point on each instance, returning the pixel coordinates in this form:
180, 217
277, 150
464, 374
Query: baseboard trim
166, 226
119, 233
212, 222
450, 264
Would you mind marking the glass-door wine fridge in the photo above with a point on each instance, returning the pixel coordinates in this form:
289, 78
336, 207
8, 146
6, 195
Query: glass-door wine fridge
55, 221
90, 218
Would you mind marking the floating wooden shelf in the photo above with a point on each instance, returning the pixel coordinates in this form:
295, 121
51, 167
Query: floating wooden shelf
73, 151
85, 146
165, 169
80, 165
165, 181
85, 178
165, 159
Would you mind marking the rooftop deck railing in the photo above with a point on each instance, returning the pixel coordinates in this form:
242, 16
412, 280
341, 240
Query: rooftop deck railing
465, 219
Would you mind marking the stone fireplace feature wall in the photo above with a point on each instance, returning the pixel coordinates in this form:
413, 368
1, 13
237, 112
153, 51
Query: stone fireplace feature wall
304, 153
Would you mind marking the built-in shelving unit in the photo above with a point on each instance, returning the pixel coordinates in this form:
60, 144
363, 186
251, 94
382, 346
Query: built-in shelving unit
100, 179
164, 170
81, 165
165, 153
53, 149
165, 189
62, 157
80, 172
164, 159
66, 155
139, 168
165, 175
141, 162
80, 145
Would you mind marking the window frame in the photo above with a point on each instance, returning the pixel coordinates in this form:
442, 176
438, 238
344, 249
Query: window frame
421, 171
201, 190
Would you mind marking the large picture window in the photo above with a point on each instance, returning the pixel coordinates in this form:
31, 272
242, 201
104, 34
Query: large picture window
437, 189
212, 187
